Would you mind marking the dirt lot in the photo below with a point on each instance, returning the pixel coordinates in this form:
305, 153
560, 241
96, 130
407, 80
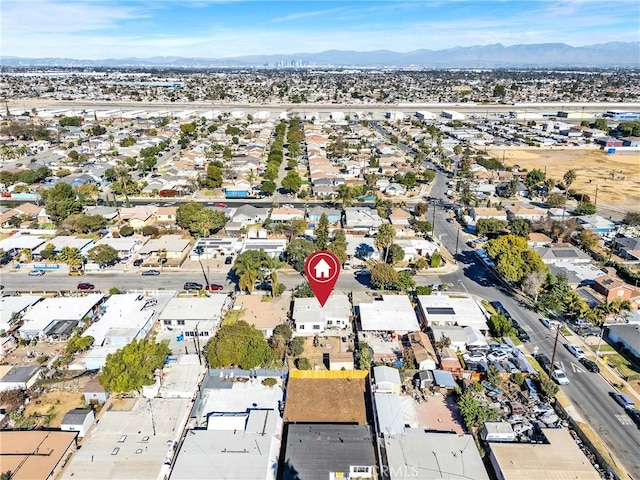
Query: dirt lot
326, 400
617, 176
49, 409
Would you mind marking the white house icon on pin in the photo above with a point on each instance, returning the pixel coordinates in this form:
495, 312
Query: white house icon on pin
322, 269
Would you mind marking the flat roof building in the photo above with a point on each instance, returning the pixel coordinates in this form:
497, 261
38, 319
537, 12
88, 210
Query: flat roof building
391, 313
449, 310
22, 452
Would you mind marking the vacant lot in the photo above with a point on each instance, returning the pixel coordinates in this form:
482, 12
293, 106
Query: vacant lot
316, 400
617, 176
49, 409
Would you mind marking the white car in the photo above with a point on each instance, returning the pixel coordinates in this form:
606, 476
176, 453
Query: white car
575, 350
560, 377
36, 273
497, 356
550, 324
474, 357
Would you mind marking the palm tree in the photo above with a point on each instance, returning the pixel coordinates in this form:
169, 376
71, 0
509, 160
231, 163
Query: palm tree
247, 271
273, 265
621, 308
569, 177
345, 193
162, 256
573, 304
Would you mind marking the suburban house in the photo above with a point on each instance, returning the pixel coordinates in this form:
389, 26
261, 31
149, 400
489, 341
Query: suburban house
265, 316
362, 219
538, 240
20, 377
628, 248
312, 319
94, 393
333, 214
174, 246
125, 246
71, 241
239, 189
597, 223
194, 317
166, 216
628, 335
286, 214
526, 213
274, 247
138, 216
250, 215
612, 287
423, 351
478, 213
390, 313
451, 310
208, 248
561, 253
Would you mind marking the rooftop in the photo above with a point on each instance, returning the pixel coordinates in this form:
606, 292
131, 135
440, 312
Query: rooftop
390, 313
309, 309
33, 454
561, 459
15, 304
454, 310
199, 308
123, 317
434, 455
132, 440
312, 452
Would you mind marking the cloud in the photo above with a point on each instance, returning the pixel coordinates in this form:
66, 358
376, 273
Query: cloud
59, 16
300, 15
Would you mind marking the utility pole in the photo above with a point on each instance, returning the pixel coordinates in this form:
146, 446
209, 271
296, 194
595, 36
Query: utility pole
595, 202
433, 223
555, 346
455, 259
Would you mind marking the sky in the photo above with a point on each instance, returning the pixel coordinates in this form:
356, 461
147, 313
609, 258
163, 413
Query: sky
99, 29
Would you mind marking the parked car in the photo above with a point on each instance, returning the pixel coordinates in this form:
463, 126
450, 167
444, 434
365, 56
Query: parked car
192, 286
575, 350
491, 388
86, 286
362, 273
76, 273
498, 356
522, 334
544, 361
474, 357
500, 347
624, 401
228, 260
220, 205
550, 324
634, 413
138, 261
151, 272
213, 287
36, 273
590, 365
560, 377
410, 271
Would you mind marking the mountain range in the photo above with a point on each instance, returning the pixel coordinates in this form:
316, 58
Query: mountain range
613, 54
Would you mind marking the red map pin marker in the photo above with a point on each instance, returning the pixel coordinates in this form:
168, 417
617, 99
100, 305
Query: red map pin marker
322, 269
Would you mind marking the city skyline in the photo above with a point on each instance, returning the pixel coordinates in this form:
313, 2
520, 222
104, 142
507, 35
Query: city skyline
219, 29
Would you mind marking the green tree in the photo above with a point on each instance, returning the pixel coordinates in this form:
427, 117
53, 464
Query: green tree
500, 325
239, 345
132, 367
268, 187
82, 223
556, 290
421, 209
247, 268
48, 252
303, 363
102, 254
345, 194
292, 182
383, 276
199, 220
436, 260
601, 124
364, 356
296, 346
60, 202
297, 252
395, 254
547, 386
588, 239
631, 218
521, 227
79, 344
384, 238
585, 208
283, 330
534, 178
422, 226
405, 282
490, 226
214, 175
72, 257
338, 245
513, 257
322, 233
126, 231
474, 414
556, 200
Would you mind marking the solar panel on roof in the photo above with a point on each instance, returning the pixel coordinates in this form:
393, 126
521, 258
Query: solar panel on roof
440, 311
565, 253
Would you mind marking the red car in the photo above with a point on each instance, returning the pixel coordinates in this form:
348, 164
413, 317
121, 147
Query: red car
86, 286
213, 287
220, 205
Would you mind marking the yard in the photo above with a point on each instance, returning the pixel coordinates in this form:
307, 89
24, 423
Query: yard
49, 409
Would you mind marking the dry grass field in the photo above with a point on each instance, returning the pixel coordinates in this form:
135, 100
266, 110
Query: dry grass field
49, 409
617, 176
